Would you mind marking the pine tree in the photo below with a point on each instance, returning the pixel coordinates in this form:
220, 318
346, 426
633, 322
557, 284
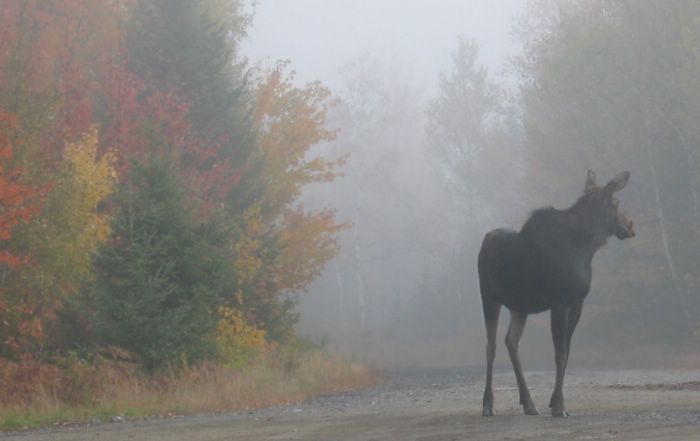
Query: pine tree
162, 274
176, 46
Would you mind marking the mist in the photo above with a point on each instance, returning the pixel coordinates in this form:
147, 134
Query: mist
460, 117
321, 37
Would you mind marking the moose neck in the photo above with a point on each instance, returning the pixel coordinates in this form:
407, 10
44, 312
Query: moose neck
586, 226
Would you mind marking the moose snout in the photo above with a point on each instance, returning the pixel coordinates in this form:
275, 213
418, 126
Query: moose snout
625, 229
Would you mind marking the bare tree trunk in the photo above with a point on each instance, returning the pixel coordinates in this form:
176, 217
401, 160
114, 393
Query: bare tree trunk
663, 231
649, 108
359, 282
360, 288
689, 157
691, 160
341, 297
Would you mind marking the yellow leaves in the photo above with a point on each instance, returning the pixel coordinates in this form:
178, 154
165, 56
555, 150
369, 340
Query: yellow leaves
94, 179
281, 249
290, 121
63, 237
248, 261
238, 341
307, 242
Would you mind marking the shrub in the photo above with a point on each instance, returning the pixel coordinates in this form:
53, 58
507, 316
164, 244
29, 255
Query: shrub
238, 342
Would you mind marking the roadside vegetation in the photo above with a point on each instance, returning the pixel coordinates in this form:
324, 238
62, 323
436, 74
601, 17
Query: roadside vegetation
102, 389
152, 241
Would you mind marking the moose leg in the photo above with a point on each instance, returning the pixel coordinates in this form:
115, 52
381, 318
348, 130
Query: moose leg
571, 321
491, 311
559, 337
515, 331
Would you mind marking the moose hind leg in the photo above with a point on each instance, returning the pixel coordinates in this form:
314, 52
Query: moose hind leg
572, 319
559, 337
515, 332
491, 312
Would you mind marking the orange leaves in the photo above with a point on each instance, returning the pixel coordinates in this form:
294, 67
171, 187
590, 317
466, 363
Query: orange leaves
281, 249
54, 56
307, 242
15, 199
290, 121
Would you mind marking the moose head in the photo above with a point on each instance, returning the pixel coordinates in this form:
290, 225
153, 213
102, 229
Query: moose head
604, 206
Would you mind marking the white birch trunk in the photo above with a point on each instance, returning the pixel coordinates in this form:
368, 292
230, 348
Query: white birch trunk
663, 232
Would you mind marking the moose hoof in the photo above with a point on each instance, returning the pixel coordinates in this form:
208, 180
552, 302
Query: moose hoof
559, 413
530, 410
487, 412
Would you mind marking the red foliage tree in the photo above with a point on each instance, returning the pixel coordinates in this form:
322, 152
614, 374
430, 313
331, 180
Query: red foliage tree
16, 203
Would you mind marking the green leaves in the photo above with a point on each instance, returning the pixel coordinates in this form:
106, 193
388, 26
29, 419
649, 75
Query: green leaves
162, 273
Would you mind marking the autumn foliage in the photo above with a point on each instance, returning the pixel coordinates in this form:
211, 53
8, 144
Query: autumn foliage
94, 95
15, 198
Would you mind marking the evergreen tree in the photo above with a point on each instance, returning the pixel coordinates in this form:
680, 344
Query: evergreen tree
161, 274
473, 130
177, 46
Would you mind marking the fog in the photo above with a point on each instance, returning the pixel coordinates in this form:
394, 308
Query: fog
321, 36
458, 117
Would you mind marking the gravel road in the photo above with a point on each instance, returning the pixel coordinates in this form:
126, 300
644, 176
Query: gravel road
442, 405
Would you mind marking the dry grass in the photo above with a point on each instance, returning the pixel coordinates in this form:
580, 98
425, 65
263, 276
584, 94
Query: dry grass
268, 382
108, 388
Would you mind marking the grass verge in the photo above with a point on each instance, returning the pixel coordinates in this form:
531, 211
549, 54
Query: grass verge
104, 389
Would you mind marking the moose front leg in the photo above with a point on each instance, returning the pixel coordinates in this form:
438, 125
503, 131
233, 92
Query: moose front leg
560, 339
572, 319
491, 312
515, 331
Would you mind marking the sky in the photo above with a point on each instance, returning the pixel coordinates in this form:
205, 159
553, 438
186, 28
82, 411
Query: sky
322, 36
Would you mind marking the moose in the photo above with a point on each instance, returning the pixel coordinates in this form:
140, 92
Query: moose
546, 266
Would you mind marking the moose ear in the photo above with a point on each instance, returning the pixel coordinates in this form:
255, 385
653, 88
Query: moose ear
618, 182
590, 181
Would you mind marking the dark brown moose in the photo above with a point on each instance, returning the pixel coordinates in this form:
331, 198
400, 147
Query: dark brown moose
546, 266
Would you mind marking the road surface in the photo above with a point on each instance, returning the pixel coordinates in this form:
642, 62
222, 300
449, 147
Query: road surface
443, 405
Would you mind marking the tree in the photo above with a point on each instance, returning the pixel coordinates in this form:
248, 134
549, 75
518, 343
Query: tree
90, 90
182, 49
180, 46
281, 246
15, 199
19, 203
62, 238
402, 222
54, 57
475, 133
161, 274
606, 87
70, 227
52, 61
